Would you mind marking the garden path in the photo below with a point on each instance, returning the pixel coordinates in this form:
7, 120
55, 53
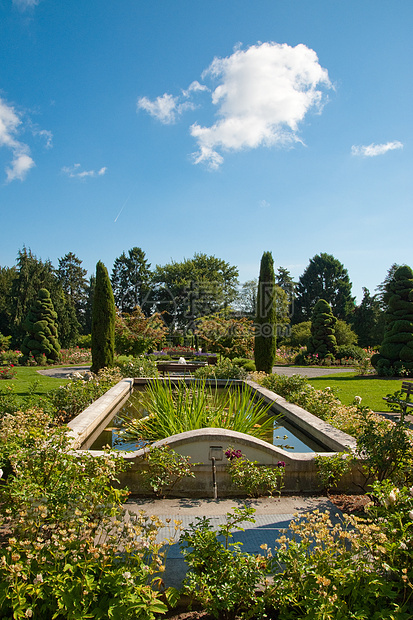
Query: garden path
272, 514
309, 371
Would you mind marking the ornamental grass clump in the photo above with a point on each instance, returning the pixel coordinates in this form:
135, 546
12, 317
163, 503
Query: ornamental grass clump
176, 409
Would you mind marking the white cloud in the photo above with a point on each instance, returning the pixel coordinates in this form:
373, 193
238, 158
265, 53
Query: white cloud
167, 108
74, 172
9, 126
47, 135
263, 94
194, 87
372, 150
25, 4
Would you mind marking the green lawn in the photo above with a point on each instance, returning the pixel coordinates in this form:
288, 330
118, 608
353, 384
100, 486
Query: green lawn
347, 385
27, 376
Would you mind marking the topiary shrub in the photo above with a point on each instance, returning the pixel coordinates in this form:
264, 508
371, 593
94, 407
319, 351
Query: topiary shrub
395, 356
41, 341
323, 341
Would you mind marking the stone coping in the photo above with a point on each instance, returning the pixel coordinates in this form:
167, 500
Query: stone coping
86, 426
200, 445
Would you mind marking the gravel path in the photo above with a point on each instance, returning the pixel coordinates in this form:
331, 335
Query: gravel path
309, 371
63, 373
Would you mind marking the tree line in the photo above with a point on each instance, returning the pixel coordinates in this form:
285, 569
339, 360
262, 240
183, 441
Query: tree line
182, 293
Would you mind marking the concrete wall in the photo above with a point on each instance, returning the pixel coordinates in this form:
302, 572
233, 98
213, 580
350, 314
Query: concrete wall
200, 445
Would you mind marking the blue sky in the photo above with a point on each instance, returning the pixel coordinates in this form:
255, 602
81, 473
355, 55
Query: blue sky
228, 127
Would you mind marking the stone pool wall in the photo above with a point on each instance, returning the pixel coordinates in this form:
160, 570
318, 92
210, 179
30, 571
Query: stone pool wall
201, 445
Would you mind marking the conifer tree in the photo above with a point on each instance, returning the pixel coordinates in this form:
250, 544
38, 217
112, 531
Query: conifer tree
42, 340
322, 341
396, 351
265, 341
103, 321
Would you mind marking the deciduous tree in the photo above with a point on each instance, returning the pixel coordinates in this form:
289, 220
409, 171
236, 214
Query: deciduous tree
193, 288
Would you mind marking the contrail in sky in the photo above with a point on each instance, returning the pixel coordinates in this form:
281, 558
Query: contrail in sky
123, 206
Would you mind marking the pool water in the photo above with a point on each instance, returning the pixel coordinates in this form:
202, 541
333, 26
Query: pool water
284, 435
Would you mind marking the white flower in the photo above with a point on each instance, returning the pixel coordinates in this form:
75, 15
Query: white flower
1, 473
393, 496
38, 579
357, 400
411, 515
411, 491
127, 575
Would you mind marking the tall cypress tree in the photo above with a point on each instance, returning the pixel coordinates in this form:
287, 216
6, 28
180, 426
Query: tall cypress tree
266, 323
103, 321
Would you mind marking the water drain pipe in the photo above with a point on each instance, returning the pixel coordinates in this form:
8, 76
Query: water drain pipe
214, 478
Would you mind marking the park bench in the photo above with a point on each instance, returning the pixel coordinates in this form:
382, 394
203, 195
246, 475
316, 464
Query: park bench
176, 367
403, 403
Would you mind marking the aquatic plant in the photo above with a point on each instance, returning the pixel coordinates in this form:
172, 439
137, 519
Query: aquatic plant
173, 409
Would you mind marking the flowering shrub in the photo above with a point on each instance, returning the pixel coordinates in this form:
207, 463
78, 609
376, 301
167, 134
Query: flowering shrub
66, 526
165, 469
393, 509
220, 576
10, 357
76, 355
178, 350
386, 448
140, 366
332, 468
70, 399
8, 372
336, 571
286, 355
254, 479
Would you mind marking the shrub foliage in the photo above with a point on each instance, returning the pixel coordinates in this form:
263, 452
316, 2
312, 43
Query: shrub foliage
323, 341
41, 341
396, 352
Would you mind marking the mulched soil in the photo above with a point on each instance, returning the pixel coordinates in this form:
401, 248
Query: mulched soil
350, 504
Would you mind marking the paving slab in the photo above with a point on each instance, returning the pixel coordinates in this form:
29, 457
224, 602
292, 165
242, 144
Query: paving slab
272, 517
